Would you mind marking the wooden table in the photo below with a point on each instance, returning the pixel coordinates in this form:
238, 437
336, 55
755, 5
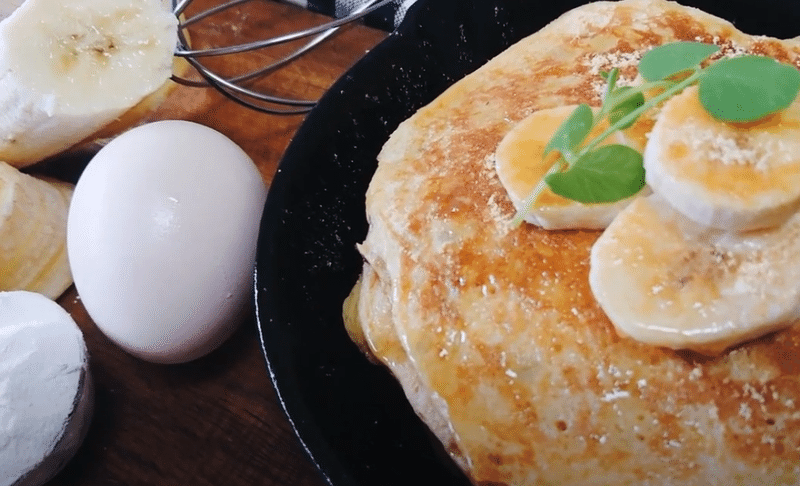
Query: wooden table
216, 420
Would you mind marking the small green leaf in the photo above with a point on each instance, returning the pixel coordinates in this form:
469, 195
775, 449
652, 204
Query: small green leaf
747, 88
669, 59
607, 174
628, 102
611, 81
572, 131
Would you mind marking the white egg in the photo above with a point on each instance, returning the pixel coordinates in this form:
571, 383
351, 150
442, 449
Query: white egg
161, 238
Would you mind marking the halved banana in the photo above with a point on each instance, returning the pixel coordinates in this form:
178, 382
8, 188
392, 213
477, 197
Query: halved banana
520, 166
737, 177
666, 280
68, 69
33, 228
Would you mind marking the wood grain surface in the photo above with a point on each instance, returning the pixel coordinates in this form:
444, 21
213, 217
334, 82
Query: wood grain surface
216, 420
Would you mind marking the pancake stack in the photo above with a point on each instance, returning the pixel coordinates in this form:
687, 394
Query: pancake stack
493, 330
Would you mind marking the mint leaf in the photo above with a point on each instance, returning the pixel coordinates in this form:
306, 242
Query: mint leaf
625, 100
747, 88
669, 59
607, 174
572, 131
736, 90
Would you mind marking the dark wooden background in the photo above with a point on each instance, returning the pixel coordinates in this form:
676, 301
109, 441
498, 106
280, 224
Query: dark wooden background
216, 420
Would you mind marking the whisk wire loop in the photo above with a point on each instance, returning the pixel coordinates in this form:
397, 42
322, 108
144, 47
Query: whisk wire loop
234, 87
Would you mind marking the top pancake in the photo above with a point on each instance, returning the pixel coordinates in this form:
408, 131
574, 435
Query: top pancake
499, 323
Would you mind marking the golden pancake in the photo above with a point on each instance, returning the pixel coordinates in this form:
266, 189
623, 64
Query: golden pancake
494, 332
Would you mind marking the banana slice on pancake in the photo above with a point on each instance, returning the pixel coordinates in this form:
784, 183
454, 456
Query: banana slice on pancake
666, 280
520, 166
737, 177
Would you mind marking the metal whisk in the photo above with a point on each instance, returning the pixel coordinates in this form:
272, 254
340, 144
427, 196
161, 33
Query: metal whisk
236, 87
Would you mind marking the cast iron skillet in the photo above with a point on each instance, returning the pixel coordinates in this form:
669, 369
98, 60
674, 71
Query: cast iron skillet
350, 415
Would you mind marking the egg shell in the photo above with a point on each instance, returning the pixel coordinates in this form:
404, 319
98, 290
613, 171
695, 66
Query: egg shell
161, 238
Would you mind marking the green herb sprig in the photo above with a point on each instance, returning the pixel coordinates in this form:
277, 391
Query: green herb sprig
739, 89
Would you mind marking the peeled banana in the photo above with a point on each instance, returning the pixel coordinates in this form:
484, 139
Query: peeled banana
520, 166
737, 177
69, 69
33, 225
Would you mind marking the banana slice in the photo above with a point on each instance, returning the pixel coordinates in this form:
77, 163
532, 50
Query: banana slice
738, 177
33, 229
67, 69
520, 166
665, 280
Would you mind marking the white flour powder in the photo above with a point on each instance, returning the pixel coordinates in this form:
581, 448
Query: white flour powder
45, 390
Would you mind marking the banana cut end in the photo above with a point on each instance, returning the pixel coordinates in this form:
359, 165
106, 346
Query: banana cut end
80, 70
